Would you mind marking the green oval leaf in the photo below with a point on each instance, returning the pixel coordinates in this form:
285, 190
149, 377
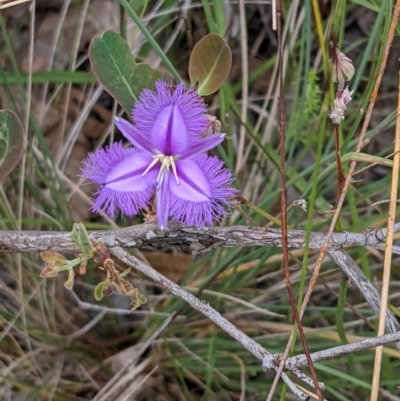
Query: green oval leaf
209, 64
99, 291
11, 142
115, 68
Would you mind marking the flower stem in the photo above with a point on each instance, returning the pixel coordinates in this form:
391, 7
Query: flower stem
341, 177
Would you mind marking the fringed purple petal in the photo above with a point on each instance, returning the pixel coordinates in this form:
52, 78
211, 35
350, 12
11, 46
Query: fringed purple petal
203, 190
131, 133
119, 171
128, 203
162, 196
173, 118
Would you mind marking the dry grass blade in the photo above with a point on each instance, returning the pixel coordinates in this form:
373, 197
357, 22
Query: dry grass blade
11, 3
126, 398
245, 93
120, 375
388, 251
23, 170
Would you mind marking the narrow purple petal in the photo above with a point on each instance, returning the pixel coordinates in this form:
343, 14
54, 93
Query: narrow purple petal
203, 146
169, 133
162, 200
119, 171
172, 117
203, 190
131, 133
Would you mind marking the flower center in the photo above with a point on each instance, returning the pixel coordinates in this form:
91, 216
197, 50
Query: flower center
166, 163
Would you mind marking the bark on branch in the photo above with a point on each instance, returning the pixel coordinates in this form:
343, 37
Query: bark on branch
198, 241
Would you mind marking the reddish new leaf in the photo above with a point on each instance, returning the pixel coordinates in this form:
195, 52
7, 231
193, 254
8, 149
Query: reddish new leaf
209, 64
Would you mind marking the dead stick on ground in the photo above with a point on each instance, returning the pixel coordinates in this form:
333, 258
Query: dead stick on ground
148, 236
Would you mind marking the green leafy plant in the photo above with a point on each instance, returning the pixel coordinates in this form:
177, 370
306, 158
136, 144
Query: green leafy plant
56, 263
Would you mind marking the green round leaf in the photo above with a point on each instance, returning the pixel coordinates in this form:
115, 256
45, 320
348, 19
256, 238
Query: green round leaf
209, 64
115, 68
11, 141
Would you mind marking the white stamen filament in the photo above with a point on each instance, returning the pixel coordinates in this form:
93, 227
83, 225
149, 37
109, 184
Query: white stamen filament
166, 163
156, 158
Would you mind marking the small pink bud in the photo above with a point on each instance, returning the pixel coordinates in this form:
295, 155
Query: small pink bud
342, 67
340, 106
346, 96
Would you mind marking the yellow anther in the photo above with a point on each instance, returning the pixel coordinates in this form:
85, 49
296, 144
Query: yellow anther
166, 163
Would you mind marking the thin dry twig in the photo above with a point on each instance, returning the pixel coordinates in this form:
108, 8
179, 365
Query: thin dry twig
267, 358
336, 352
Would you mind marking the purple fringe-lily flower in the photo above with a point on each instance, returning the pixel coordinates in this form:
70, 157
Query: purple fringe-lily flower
168, 158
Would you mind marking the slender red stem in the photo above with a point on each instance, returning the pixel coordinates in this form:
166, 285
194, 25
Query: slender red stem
282, 139
340, 175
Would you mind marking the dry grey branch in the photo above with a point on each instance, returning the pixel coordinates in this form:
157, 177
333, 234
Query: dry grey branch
202, 306
336, 352
199, 241
360, 281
